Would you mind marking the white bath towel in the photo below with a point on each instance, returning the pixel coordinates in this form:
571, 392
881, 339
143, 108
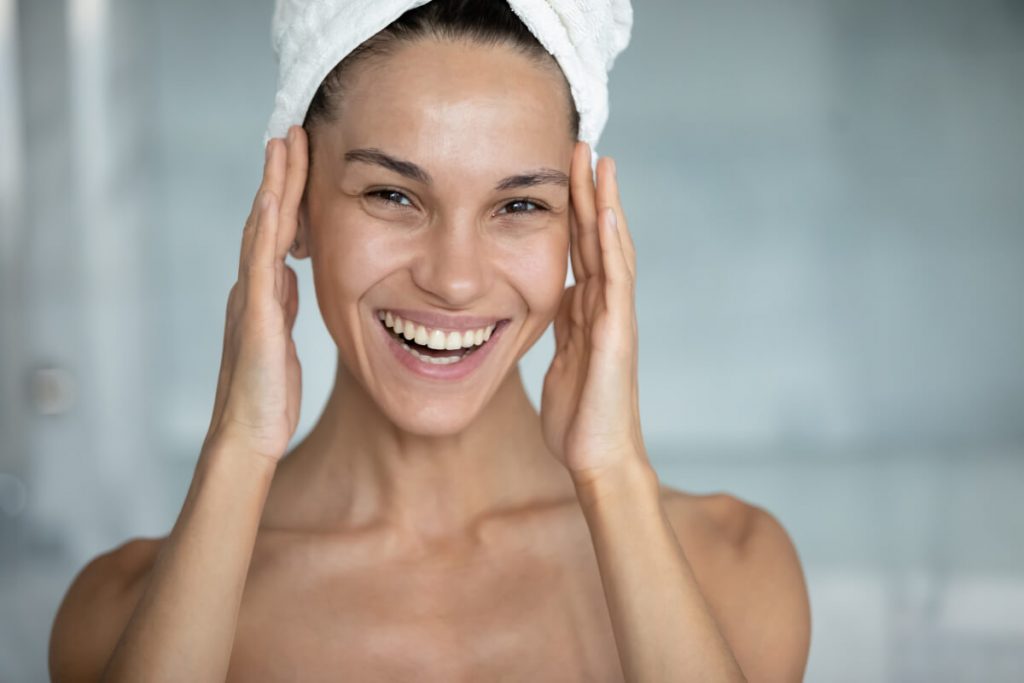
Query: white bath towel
310, 37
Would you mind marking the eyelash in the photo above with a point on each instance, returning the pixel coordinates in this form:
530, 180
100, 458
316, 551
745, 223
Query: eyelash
380, 195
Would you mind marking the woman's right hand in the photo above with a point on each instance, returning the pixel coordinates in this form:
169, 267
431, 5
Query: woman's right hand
260, 383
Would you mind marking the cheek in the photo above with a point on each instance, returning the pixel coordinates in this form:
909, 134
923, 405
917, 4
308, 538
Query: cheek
351, 255
537, 269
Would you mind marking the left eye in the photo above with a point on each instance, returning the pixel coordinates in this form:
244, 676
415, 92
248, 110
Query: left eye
389, 196
520, 206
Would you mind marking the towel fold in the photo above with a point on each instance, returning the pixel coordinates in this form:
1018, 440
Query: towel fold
310, 37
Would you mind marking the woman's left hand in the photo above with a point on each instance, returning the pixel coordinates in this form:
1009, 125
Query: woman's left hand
590, 406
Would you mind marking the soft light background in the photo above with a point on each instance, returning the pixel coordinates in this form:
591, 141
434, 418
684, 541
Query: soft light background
828, 203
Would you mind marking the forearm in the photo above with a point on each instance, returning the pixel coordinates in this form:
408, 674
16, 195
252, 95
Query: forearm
663, 628
183, 627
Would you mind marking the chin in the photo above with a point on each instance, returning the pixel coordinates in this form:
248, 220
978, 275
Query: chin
434, 418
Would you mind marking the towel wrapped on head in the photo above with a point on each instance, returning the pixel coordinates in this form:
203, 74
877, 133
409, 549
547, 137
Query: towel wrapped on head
310, 37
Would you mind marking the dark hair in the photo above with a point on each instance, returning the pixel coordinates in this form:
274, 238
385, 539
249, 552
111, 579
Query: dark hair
486, 22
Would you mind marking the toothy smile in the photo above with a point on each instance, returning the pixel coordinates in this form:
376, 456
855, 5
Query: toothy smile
435, 338
429, 344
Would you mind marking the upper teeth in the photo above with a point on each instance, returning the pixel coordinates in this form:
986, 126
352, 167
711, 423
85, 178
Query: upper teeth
435, 338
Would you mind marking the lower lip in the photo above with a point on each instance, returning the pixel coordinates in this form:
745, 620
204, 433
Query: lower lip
449, 372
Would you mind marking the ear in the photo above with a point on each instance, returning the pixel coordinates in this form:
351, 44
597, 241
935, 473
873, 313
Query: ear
300, 247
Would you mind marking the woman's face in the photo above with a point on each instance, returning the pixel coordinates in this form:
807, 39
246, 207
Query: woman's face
440, 194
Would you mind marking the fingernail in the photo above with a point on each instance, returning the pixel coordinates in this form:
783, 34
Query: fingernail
267, 153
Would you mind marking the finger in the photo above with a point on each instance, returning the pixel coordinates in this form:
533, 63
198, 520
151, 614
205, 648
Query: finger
612, 198
294, 185
621, 259
581, 185
222, 374
263, 246
617, 292
261, 269
249, 231
562, 320
574, 249
575, 258
618, 279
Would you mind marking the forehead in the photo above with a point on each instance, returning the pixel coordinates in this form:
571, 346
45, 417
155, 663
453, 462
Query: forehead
432, 99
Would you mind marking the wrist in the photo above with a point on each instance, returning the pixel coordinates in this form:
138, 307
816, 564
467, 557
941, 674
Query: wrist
234, 453
630, 481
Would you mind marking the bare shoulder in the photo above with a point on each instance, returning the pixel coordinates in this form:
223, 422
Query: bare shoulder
751, 575
96, 608
719, 518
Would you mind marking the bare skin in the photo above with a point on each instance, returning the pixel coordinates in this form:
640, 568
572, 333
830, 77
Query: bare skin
417, 532
526, 606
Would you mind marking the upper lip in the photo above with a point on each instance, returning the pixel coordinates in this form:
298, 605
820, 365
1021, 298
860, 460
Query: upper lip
434, 320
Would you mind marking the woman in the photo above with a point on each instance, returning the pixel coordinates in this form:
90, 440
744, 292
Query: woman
433, 525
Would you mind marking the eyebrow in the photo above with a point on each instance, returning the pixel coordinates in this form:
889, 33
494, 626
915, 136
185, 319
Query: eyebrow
372, 155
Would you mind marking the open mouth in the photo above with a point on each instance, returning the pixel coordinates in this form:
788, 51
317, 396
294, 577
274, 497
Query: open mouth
435, 346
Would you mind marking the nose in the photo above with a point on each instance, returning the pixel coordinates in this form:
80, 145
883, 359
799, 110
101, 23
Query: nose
453, 263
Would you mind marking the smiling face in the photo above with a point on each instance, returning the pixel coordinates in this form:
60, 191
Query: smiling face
439, 194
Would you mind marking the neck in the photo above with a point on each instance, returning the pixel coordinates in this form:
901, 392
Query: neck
357, 469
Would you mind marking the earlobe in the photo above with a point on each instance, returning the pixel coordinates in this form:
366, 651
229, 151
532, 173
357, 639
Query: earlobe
298, 249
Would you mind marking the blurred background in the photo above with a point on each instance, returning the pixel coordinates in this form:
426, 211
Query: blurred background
828, 203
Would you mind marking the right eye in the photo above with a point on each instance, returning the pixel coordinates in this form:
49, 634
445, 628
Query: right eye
389, 196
